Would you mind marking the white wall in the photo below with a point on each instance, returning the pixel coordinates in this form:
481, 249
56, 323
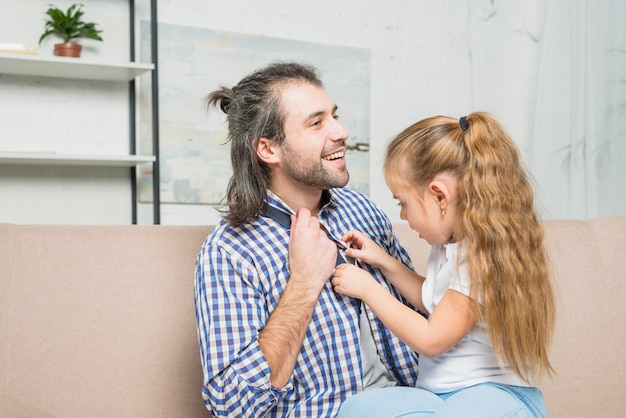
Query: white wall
404, 36
419, 58
446, 57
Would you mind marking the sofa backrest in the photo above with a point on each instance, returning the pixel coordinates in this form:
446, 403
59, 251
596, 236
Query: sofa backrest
589, 347
98, 321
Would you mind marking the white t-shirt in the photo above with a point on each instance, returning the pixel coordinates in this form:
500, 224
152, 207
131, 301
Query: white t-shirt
472, 359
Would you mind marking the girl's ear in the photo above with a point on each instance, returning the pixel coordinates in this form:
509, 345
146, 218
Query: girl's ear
267, 151
441, 190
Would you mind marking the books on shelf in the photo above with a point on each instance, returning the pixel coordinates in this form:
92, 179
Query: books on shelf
13, 48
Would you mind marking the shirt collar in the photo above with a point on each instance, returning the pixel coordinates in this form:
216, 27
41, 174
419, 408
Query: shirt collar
277, 202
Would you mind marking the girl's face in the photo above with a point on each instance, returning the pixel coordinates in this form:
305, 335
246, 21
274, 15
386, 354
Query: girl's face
422, 208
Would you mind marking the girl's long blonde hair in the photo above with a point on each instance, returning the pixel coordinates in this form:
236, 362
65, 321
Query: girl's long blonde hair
498, 224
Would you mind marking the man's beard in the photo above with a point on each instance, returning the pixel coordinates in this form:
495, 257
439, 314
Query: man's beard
312, 173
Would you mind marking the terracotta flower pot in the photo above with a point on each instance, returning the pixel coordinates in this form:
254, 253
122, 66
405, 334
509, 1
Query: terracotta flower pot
68, 49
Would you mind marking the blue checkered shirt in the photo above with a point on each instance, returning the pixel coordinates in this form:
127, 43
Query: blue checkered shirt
240, 276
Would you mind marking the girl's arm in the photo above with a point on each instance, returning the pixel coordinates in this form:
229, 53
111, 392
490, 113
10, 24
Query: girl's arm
408, 283
451, 320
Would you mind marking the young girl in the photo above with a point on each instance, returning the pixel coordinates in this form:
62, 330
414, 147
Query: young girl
490, 305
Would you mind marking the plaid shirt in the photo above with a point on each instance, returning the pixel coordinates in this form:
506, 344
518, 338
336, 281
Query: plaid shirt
240, 276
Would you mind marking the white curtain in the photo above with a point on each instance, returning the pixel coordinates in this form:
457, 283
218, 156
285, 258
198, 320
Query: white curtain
578, 149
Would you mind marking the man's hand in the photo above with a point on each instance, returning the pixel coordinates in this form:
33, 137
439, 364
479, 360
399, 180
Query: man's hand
312, 254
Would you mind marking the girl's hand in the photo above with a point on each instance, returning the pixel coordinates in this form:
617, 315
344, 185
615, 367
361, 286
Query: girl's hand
353, 281
364, 248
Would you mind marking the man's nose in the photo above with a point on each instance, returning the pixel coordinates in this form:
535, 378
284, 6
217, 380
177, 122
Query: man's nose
339, 132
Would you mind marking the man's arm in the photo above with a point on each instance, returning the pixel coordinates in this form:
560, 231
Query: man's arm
231, 308
311, 259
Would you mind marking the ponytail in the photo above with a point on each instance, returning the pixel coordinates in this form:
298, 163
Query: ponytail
498, 226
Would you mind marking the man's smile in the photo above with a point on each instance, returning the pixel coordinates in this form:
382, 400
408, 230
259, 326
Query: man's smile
334, 156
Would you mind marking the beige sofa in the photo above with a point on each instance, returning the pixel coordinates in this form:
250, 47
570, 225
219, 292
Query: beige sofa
98, 321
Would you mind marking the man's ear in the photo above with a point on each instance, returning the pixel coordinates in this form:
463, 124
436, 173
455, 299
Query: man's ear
267, 151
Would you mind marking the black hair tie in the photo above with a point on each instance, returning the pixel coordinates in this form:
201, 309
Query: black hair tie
464, 123
225, 105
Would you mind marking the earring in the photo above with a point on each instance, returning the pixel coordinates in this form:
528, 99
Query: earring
443, 212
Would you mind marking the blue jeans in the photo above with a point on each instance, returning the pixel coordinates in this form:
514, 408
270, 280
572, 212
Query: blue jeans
486, 400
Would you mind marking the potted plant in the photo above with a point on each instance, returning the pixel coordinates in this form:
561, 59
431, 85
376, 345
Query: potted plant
69, 26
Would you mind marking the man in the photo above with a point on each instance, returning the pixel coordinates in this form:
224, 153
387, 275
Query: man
275, 339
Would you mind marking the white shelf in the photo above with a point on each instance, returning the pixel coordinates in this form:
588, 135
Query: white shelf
33, 158
74, 68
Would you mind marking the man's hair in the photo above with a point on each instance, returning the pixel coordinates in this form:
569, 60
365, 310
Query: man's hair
253, 110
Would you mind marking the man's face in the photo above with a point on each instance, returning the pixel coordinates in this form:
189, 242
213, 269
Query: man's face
312, 155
